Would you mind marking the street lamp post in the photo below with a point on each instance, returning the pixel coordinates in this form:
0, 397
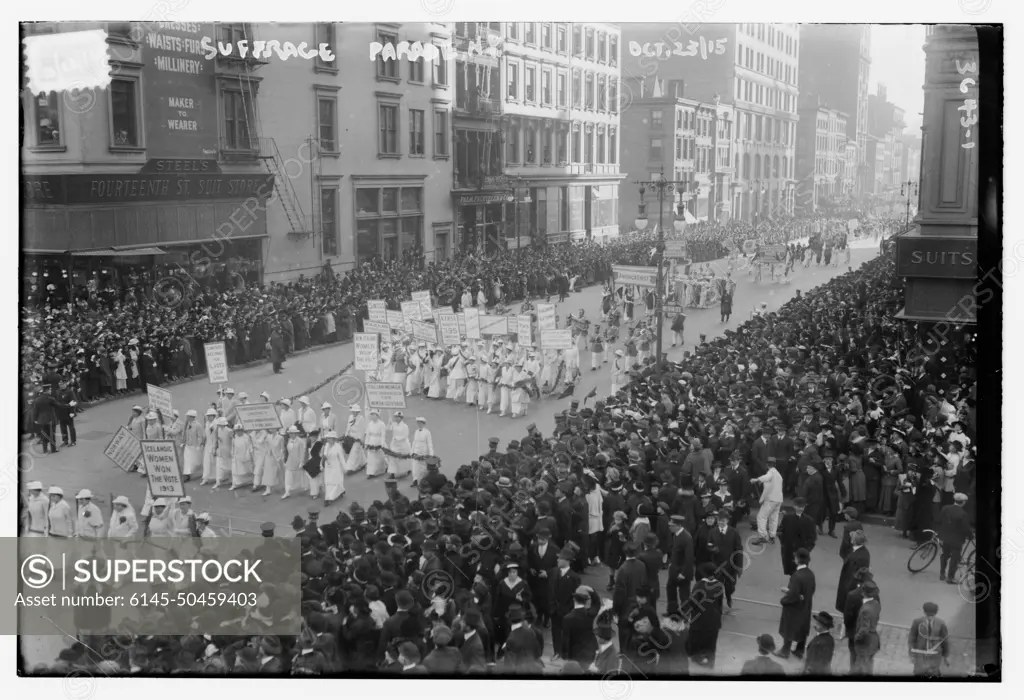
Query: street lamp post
908, 189
661, 185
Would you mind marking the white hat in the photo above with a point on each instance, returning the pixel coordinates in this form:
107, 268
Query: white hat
137, 408
133, 341
243, 395
160, 503
421, 419
619, 353
205, 517
399, 414
286, 402
175, 412
229, 390
374, 412
354, 408
222, 421
305, 400
211, 412
151, 415
239, 426
326, 405
35, 486
55, 491
122, 501
330, 435
191, 413
84, 493
265, 395
293, 429
185, 499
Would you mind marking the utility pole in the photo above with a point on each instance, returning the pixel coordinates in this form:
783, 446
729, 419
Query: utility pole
661, 185
907, 189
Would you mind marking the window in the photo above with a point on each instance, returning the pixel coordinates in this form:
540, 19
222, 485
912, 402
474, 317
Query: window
545, 136
590, 90
539, 210
757, 166
588, 146
388, 117
47, 118
440, 132
513, 31
576, 147
656, 122
613, 147
577, 90
387, 70
237, 111
416, 70
563, 144
768, 129
417, 118
325, 35
512, 144
654, 152
601, 157
679, 148
757, 136
440, 70
530, 35
679, 120
531, 84
613, 94
613, 50
563, 208
545, 87
531, 145
513, 81
327, 124
561, 89
577, 43
560, 31
329, 221
746, 166
590, 44
775, 166
233, 33
602, 94
545, 35
602, 47
389, 221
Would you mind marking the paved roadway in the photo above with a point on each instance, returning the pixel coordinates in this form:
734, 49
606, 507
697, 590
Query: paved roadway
461, 433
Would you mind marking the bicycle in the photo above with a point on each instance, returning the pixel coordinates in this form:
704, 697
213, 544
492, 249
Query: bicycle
924, 554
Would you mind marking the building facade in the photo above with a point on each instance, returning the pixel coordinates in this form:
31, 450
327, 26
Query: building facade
821, 152
835, 63
536, 125
687, 141
885, 123
159, 173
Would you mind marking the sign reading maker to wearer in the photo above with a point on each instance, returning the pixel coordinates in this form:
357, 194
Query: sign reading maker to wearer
258, 416
163, 469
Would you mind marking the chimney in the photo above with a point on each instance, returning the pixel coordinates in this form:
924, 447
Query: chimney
676, 88
880, 91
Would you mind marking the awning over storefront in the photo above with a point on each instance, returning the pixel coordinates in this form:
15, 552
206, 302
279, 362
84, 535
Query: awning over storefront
117, 252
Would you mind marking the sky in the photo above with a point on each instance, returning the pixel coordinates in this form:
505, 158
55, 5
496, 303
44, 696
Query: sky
897, 60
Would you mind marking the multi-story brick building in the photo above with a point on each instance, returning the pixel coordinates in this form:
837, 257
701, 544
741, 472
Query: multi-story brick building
536, 133
885, 122
821, 151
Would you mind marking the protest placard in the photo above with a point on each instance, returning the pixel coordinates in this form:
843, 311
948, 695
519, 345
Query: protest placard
378, 310
493, 325
163, 469
546, 317
625, 275
422, 298
396, 320
124, 449
473, 323
512, 324
524, 328
410, 312
387, 395
449, 326
159, 399
427, 332
440, 310
258, 416
216, 362
367, 351
558, 339
461, 319
377, 327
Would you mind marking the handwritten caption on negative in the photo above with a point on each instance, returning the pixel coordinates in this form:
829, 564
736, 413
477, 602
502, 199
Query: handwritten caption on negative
67, 61
265, 49
970, 105
662, 51
431, 52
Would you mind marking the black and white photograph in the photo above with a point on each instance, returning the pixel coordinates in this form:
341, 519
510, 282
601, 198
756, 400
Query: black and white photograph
663, 346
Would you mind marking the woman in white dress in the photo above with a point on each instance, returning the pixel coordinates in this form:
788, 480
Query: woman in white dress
295, 457
260, 455
242, 458
222, 452
195, 440
356, 429
436, 389
374, 441
119, 371
399, 467
209, 444
414, 375
273, 462
471, 382
124, 524
422, 447
456, 374
334, 468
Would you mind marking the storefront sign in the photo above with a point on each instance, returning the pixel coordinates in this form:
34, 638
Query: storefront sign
258, 416
163, 469
389, 395
953, 258
124, 449
468, 199
216, 362
556, 238
44, 190
639, 276
180, 166
367, 351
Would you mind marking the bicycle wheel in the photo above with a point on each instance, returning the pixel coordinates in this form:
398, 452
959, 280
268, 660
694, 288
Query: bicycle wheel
922, 556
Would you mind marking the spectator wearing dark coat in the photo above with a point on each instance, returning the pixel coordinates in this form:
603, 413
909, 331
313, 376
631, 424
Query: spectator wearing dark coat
797, 606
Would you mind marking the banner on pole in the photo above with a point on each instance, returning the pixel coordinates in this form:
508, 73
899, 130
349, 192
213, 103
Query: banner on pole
546, 317
259, 416
449, 326
631, 274
396, 319
556, 339
124, 449
367, 351
427, 332
422, 298
473, 323
378, 310
216, 362
159, 399
461, 320
493, 325
377, 327
410, 312
525, 330
163, 469
772, 254
388, 395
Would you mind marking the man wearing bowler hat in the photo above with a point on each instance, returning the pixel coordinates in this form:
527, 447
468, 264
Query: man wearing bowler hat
763, 664
865, 636
821, 648
680, 564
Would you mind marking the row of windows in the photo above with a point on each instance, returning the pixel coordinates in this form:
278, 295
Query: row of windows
592, 91
534, 144
587, 42
390, 130
686, 149
757, 127
771, 167
416, 71
774, 37
763, 63
765, 96
389, 221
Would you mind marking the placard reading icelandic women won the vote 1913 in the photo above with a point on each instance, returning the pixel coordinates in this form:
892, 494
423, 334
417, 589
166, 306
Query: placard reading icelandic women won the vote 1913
258, 416
367, 351
449, 326
163, 469
216, 362
124, 449
387, 395
378, 310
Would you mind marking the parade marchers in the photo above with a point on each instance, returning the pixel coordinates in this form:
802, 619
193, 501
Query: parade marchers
822, 400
